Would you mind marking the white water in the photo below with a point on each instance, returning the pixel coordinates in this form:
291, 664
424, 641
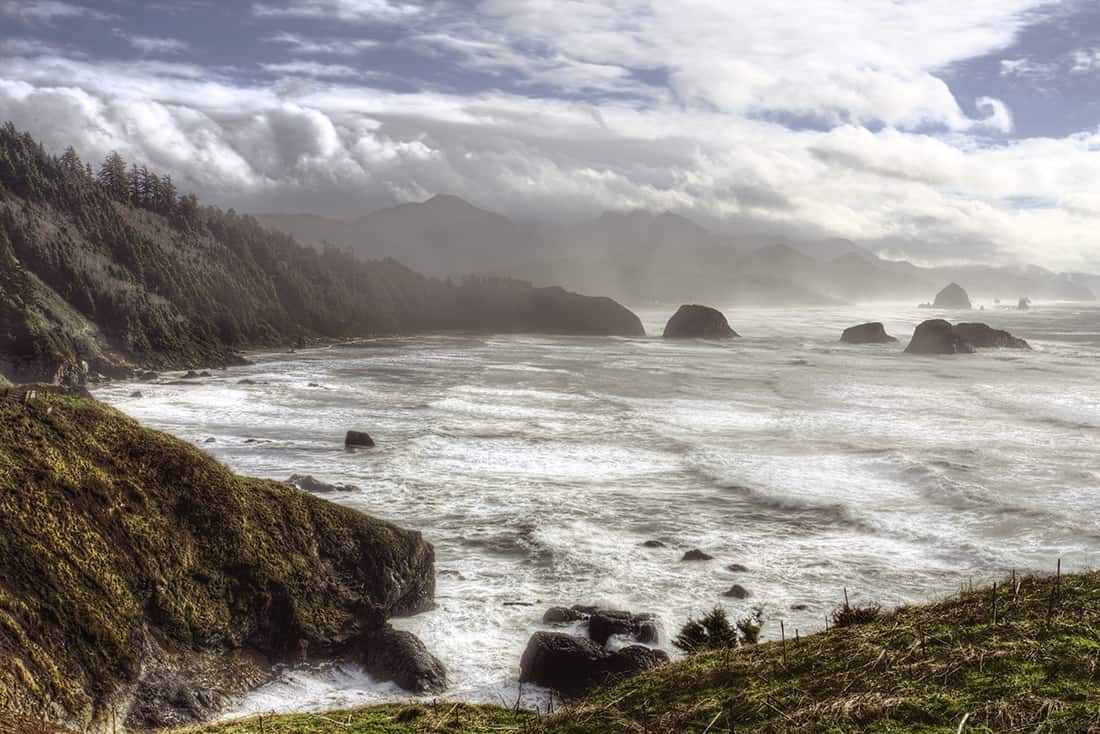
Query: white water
538, 465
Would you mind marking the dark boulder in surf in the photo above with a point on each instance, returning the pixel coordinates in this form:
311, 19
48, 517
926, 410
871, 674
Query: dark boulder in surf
307, 483
399, 656
697, 555
983, 336
358, 439
563, 615
873, 333
953, 297
699, 322
937, 336
572, 665
940, 337
737, 591
653, 544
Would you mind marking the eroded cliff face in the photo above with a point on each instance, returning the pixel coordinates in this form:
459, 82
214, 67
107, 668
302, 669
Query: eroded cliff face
141, 582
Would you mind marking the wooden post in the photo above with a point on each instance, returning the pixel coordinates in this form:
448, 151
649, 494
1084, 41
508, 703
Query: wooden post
846, 604
994, 603
783, 639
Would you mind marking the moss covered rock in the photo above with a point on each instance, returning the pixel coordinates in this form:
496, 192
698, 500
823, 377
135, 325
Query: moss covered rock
141, 581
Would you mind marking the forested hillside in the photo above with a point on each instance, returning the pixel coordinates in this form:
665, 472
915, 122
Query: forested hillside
109, 269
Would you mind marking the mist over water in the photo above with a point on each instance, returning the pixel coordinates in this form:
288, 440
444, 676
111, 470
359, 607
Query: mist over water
538, 465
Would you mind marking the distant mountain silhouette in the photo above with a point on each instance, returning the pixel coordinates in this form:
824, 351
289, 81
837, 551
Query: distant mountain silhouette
644, 257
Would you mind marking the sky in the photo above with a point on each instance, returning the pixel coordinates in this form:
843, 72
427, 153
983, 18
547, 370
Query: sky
941, 130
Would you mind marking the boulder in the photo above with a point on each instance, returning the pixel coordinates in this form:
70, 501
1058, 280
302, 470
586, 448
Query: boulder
358, 439
983, 336
697, 555
653, 544
307, 483
873, 333
737, 591
699, 322
737, 568
395, 655
953, 297
937, 336
573, 665
940, 337
563, 615
607, 622
136, 395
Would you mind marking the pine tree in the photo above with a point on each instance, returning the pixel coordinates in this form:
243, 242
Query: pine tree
113, 178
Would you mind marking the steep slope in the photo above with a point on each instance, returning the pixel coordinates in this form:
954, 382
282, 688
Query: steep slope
1017, 658
116, 270
141, 581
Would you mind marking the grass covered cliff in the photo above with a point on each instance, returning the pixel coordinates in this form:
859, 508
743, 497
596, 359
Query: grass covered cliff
141, 581
114, 269
941, 668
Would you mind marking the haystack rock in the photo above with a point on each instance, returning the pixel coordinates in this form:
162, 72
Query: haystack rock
699, 322
874, 333
953, 297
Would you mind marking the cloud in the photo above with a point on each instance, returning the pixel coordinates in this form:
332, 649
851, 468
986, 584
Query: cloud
835, 121
47, 11
305, 46
356, 11
1086, 60
155, 45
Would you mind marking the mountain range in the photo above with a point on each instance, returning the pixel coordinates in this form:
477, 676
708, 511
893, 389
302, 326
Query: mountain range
642, 257
105, 273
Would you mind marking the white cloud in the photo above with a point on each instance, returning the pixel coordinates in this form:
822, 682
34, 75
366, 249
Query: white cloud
156, 45
1086, 60
356, 11
313, 69
900, 159
46, 11
307, 46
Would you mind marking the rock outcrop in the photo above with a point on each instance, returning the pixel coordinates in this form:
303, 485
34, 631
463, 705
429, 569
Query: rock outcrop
953, 297
399, 656
873, 333
358, 439
131, 561
940, 337
697, 555
699, 322
573, 665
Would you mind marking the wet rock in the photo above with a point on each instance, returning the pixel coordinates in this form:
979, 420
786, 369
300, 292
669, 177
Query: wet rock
937, 336
211, 440
148, 376
563, 615
983, 336
940, 337
307, 483
358, 439
737, 591
395, 655
647, 632
697, 555
737, 568
607, 622
136, 395
572, 665
653, 544
192, 375
873, 333
247, 382
699, 322
953, 297
799, 607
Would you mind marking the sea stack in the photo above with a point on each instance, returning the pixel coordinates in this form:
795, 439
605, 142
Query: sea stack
873, 333
699, 322
953, 297
940, 337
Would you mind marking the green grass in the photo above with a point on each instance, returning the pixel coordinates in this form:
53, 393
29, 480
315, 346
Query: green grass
918, 669
112, 534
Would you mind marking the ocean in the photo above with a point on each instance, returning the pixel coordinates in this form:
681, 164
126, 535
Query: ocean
538, 466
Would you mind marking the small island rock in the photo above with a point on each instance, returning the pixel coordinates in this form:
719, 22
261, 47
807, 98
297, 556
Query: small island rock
699, 322
953, 297
872, 333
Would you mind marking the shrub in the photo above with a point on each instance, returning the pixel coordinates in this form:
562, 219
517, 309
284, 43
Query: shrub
847, 615
749, 627
712, 632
